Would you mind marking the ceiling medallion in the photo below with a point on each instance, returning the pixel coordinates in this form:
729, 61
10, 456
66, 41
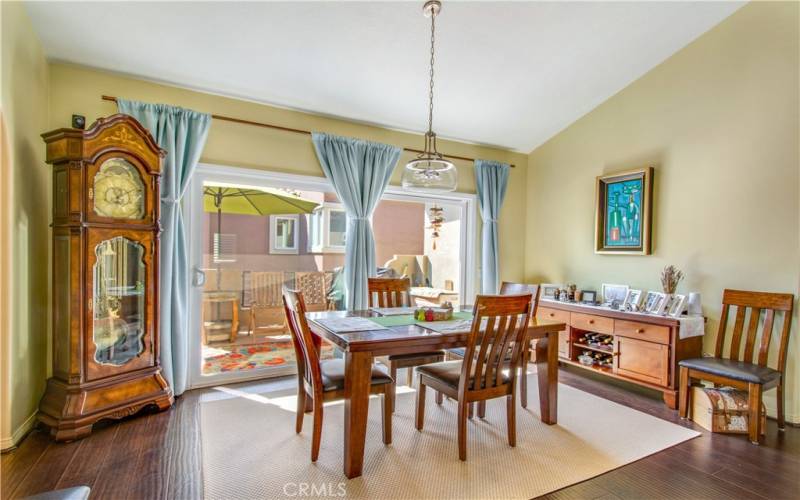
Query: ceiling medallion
430, 171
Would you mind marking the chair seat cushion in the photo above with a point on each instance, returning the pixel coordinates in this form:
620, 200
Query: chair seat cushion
448, 372
736, 370
332, 371
414, 355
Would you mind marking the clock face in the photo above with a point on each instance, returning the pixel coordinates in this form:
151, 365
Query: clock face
118, 190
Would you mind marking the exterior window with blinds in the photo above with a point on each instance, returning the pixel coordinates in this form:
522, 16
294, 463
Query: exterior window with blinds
224, 247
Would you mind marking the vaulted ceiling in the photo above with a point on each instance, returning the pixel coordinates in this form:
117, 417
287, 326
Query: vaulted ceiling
508, 74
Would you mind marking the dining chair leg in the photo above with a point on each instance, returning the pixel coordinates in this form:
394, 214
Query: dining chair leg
523, 378
410, 376
683, 393
393, 387
511, 417
301, 410
481, 409
463, 409
439, 398
420, 419
386, 406
754, 404
781, 402
471, 410
316, 437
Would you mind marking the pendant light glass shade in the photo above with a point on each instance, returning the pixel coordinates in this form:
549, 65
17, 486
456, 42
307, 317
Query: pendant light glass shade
430, 172
430, 176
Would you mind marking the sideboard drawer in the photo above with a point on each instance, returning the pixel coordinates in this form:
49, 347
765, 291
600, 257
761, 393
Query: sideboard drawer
552, 315
642, 331
592, 323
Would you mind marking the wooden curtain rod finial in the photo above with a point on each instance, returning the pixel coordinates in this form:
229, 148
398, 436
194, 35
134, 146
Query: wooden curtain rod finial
289, 129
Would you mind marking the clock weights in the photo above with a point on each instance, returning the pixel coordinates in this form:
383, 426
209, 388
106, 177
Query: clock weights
105, 276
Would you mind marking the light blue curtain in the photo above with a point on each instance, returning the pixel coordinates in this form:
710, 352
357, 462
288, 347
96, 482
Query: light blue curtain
359, 171
182, 133
492, 180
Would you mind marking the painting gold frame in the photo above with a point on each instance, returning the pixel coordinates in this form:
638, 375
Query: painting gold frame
645, 218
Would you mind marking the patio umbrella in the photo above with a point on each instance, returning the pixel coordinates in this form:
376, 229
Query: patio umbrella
252, 201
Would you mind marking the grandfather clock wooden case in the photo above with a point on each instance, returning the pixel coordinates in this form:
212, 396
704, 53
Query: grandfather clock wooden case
105, 276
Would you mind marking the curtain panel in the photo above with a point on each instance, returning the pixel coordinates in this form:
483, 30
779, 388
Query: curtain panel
359, 171
492, 179
182, 133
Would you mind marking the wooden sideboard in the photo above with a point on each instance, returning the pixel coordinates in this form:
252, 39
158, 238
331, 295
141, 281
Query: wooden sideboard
645, 348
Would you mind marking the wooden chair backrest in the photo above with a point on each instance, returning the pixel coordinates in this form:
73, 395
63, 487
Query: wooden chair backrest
389, 292
312, 286
487, 353
304, 349
757, 303
266, 288
509, 288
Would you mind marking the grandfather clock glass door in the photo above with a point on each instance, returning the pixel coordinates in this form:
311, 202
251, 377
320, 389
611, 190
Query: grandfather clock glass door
120, 278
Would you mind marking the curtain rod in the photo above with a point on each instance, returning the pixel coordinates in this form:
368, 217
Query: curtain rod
289, 129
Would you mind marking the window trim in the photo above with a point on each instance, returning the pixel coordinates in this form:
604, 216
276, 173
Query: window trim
273, 236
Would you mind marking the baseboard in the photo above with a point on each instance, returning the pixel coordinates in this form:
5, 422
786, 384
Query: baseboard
9, 443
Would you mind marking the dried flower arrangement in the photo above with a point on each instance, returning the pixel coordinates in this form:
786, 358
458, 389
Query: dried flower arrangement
670, 277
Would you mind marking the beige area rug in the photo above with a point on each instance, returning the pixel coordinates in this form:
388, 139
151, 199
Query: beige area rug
250, 449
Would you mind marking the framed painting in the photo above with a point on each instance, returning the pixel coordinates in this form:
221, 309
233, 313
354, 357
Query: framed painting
624, 212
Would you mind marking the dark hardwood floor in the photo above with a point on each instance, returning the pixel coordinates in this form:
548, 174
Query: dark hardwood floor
158, 455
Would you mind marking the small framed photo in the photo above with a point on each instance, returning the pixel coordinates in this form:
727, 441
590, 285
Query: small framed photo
676, 305
588, 296
655, 302
548, 290
633, 300
613, 293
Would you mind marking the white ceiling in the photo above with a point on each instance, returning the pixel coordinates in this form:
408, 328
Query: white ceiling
509, 74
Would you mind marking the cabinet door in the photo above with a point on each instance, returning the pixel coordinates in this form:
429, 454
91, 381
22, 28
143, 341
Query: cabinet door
121, 299
641, 360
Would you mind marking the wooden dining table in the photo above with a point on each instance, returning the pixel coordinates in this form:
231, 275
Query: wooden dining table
360, 348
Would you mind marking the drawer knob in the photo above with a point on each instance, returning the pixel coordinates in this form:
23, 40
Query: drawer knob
591, 321
552, 315
640, 330
615, 354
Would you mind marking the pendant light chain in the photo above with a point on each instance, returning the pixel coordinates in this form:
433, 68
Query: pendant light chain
430, 92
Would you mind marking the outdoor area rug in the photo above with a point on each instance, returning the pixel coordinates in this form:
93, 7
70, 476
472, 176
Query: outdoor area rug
220, 358
250, 449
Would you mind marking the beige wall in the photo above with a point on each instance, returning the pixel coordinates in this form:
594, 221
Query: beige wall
24, 231
719, 121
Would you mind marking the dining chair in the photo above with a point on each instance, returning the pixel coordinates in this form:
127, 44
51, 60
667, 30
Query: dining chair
499, 329
321, 381
265, 302
749, 370
509, 288
395, 292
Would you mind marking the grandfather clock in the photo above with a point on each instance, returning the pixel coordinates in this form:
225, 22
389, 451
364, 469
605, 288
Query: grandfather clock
105, 276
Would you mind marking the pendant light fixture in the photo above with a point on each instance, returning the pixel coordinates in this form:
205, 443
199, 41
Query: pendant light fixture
430, 172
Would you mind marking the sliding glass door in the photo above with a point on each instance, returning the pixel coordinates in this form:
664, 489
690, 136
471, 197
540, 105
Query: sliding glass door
252, 233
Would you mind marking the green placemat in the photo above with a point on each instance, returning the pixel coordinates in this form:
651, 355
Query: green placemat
408, 319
